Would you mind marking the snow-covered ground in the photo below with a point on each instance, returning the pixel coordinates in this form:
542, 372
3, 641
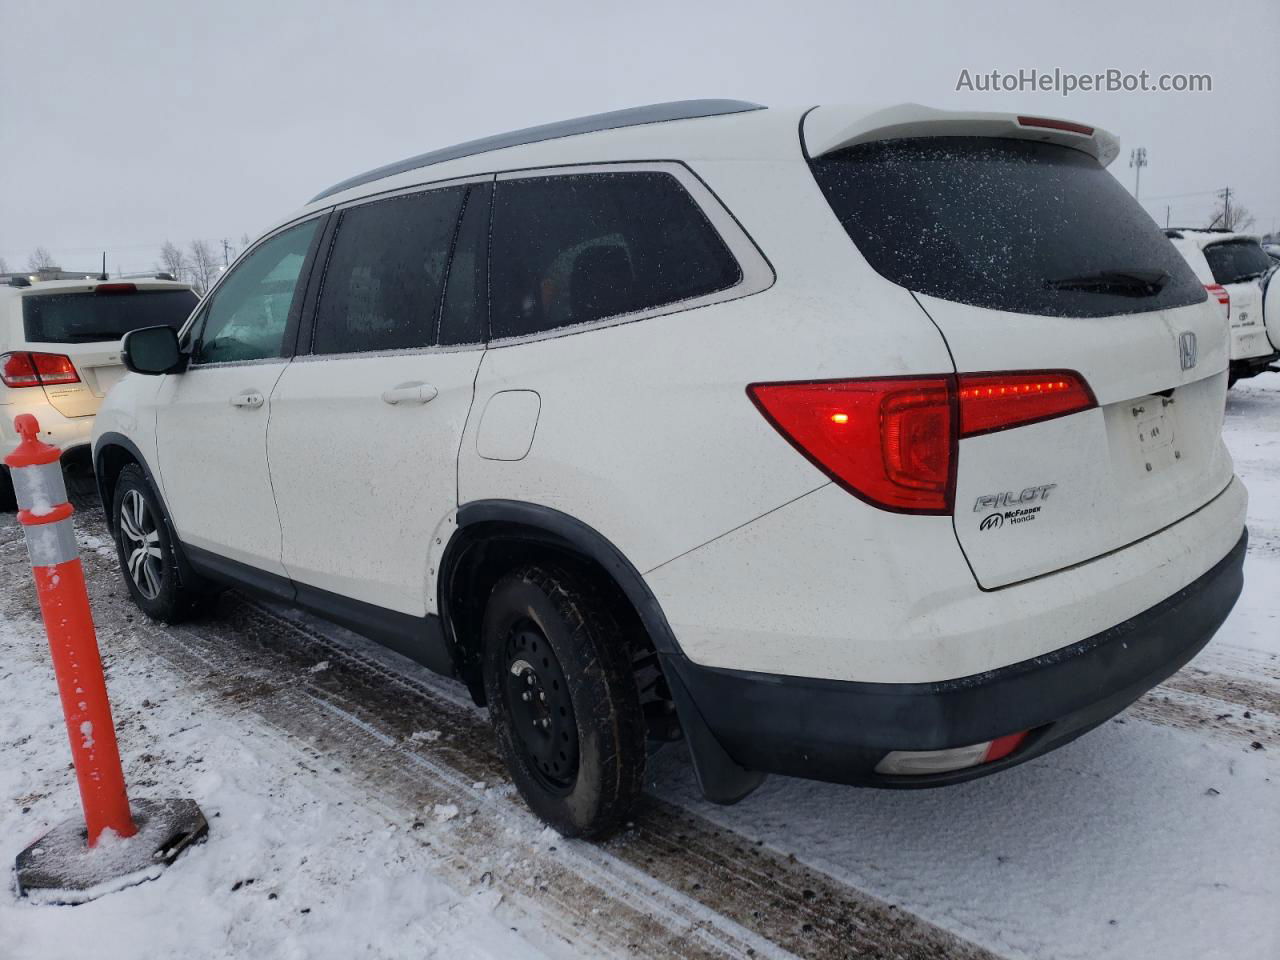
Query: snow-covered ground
357, 809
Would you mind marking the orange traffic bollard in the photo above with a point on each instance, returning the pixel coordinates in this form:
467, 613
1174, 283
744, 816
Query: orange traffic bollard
64, 603
60, 864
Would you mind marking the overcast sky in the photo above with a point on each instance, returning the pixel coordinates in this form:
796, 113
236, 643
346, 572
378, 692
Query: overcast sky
123, 124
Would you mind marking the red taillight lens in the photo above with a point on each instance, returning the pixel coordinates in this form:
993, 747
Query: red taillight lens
17, 370
37, 369
1223, 295
116, 288
997, 401
54, 368
890, 442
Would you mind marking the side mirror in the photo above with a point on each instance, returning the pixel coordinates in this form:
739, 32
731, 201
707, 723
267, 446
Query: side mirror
153, 351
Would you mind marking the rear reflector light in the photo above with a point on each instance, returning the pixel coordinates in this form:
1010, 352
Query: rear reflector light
116, 288
36, 369
889, 442
892, 441
998, 401
1048, 123
919, 763
1223, 295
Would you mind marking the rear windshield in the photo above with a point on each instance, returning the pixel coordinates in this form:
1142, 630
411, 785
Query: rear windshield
89, 317
1007, 224
1237, 261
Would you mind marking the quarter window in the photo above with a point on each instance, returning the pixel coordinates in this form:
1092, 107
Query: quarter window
249, 312
385, 278
576, 248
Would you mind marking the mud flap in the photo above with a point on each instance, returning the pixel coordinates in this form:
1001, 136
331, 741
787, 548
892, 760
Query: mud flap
721, 778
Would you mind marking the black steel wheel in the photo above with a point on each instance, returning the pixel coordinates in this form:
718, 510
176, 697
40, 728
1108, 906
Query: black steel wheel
563, 700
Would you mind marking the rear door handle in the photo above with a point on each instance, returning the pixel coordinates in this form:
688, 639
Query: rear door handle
404, 394
252, 399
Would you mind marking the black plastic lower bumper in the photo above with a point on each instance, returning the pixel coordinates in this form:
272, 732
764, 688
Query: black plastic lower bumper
1243, 369
838, 731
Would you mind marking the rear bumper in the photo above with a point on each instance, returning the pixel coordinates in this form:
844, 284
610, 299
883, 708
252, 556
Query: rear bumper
65, 433
839, 730
1253, 366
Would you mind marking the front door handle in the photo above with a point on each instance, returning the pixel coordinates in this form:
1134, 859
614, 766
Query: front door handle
404, 394
252, 400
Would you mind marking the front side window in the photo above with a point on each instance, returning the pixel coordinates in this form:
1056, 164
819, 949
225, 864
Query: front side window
384, 282
249, 312
582, 247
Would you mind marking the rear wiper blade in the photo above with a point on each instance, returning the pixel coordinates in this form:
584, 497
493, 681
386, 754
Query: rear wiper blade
1131, 283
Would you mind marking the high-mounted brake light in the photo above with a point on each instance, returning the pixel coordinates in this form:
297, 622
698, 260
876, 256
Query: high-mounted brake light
1049, 123
116, 288
892, 441
36, 370
1223, 295
889, 442
998, 401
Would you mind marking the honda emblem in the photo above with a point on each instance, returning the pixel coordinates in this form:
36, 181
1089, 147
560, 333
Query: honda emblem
1187, 349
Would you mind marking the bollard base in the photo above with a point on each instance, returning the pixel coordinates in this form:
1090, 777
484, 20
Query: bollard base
60, 867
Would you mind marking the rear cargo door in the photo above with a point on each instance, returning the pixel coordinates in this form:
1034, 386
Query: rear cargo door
1029, 256
85, 327
1240, 265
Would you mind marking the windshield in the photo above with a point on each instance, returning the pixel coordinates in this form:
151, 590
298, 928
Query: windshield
91, 317
1008, 224
1236, 261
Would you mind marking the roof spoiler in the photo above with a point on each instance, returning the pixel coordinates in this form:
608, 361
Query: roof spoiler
826, 129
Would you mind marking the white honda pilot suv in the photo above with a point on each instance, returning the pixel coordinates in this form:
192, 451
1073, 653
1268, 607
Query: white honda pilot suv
880, 447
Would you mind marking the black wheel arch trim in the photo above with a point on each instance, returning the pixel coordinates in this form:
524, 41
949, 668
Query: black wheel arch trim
721, 779
186, 574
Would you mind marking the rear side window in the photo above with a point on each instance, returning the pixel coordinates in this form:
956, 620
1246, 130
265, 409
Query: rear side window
89, 317
1007, 224
583, 247
384, 282
1237, 261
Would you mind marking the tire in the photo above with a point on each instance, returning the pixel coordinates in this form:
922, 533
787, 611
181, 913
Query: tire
564, 703
8, 499
154, 581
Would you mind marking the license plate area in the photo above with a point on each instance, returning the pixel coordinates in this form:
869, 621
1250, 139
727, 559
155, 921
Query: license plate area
1153, 423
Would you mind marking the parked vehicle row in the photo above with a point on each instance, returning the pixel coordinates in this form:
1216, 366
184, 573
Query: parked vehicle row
1237, 271
877, 447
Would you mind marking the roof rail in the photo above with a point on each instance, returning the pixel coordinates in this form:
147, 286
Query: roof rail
631, 117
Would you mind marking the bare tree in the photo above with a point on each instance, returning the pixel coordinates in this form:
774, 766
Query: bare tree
173, 261
1233, 216
40, 259
4, 265
203, 266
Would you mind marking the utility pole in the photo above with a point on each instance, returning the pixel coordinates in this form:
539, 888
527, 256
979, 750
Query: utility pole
1225, 195
226, 259
1137, 160
1167, 208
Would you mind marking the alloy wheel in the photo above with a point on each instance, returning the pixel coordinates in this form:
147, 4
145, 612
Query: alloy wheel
140, 538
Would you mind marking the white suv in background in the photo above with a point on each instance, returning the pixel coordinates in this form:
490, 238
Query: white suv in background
1235, 269
877, 447
60, 354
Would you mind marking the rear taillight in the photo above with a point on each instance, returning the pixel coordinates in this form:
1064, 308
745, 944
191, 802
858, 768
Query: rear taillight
998, 401
1048, 123
116, 288
1223, 295
37, 369
889, 442
892, 442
